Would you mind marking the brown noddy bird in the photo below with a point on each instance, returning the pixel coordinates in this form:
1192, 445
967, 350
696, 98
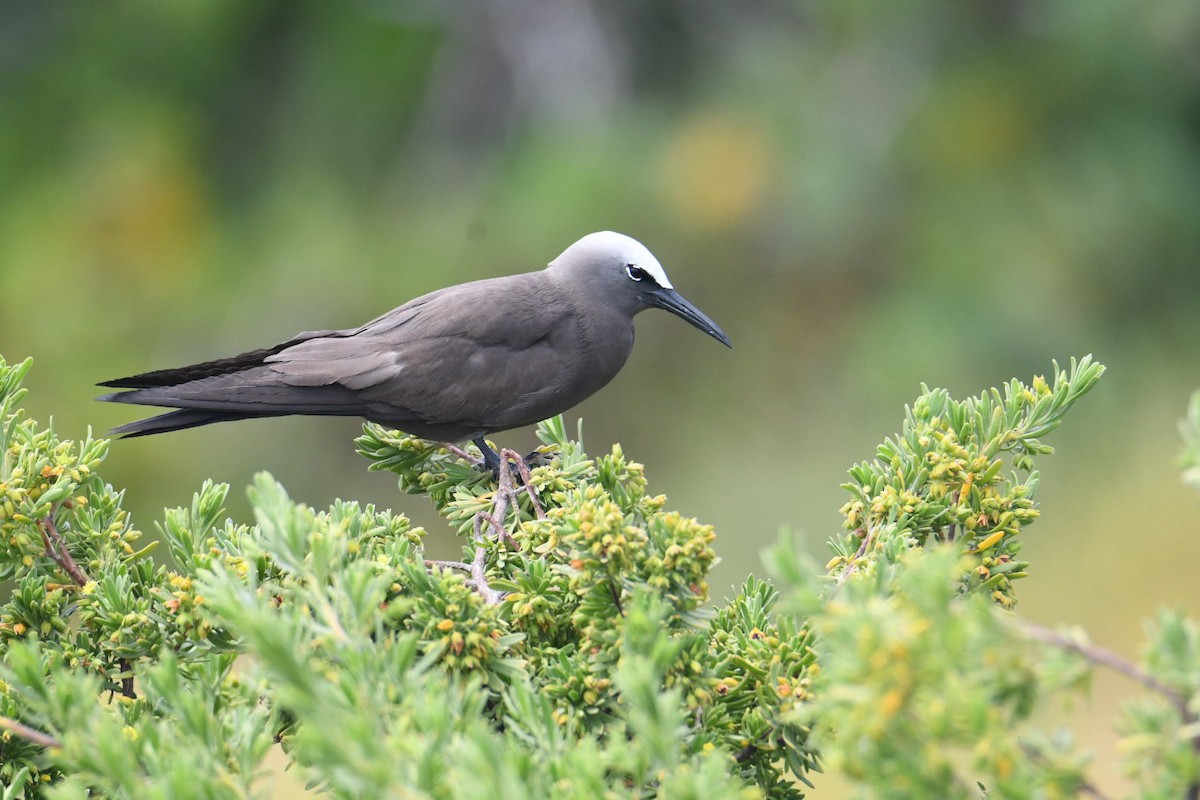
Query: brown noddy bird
456, 364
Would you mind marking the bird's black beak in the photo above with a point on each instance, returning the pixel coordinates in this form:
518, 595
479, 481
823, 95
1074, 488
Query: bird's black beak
674, 302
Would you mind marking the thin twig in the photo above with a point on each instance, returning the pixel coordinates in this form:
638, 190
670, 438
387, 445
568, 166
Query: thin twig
458, 451
501, 533
459, 565
29, 734
502, 499
483, 517
616, 596
479, 576
1092, 790
504, 493
868, 535
478, 566
1106, 658
57, 549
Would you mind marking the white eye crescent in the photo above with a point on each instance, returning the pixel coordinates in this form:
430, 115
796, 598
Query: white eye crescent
637, 273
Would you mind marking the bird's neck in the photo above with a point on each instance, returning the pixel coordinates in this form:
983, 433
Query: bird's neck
606, 333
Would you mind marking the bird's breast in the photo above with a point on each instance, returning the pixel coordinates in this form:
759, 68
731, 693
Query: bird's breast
602, 347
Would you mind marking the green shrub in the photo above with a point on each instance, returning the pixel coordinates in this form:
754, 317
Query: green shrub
573, 651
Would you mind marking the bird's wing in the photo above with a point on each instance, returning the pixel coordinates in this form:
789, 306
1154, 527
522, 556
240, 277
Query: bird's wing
480, 357
478, 353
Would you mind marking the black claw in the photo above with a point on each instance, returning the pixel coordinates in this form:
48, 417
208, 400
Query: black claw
491, 460
539, 459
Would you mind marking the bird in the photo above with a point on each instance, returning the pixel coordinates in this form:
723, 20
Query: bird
457, 364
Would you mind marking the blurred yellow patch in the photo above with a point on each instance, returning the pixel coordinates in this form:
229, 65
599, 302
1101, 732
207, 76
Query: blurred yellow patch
891, 702
714, 171
145, 210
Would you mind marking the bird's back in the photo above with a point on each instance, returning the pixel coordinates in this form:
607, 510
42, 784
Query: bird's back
472, 359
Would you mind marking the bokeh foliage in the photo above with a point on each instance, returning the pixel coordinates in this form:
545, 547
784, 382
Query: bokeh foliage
864, 197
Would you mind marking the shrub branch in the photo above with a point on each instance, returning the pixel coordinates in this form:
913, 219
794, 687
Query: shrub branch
57, 549
1106, 658
28, 734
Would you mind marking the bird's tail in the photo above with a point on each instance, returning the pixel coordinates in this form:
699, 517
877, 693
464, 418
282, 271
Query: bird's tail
176, 421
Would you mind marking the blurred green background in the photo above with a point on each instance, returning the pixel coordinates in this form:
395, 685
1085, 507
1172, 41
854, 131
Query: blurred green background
866, 196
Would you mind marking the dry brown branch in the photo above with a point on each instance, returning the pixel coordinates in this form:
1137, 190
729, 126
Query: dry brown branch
526, 480
1105, 658
459, 565
495, 519
57, 549
459, 452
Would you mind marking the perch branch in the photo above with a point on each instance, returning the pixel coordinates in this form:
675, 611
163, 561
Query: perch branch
127, 679
745, 754
56, 549
526, 480
479, 577
495, 519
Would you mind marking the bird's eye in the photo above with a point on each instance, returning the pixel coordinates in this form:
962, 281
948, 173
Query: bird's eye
636, 273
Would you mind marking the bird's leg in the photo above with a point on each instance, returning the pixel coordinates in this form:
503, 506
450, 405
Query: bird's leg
491, 461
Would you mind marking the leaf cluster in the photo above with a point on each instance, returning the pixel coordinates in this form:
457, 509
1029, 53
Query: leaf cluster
379, 672
943, 479
572, 652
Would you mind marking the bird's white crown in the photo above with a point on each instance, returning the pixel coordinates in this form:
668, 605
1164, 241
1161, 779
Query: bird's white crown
629, 250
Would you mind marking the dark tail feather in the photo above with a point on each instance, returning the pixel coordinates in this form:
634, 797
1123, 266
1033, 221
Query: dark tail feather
207, 369
176, 421
193, 372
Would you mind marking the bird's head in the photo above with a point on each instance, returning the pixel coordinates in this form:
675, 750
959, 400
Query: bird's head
618, 270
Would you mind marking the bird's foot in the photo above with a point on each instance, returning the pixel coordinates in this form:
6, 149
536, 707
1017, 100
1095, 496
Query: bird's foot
519, 466
491, 461
538, 458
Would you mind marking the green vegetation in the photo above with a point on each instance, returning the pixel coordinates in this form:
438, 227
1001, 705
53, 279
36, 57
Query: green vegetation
572, 652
